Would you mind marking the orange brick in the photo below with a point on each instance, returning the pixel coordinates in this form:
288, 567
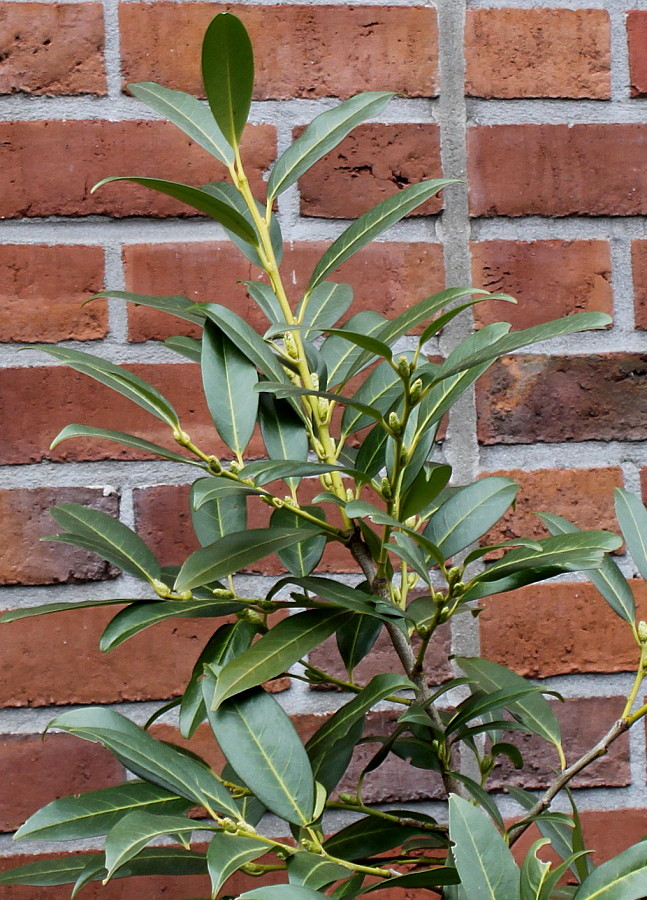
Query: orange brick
52, 48
38, 185
42, 289
548, 278
538, 53
637, 37
639, 265
300, 50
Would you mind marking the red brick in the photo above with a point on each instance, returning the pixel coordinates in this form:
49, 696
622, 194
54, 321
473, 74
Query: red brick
55, 659
639, 265
558, 629
558, 170
331, 50
25, 559
538, 53
42, 289
51, 48
523, 399
34, 772
38, 185
372, 163
386, 277
53, 397
583, 722
583, 496
549, 279
637, 37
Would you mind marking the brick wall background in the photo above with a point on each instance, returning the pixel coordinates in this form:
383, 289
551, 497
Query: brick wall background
543, 105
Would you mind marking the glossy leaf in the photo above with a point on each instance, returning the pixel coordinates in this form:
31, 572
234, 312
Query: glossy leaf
282, 892
230, 195
314, 871
228, 74
484, 862
206, 490
325, 306
373, 223
128, 440
334, 592
410, 552
381, 389
608, 579
26, 612
622, 878
218, 517
427, 878
283, 433
292, 390
534, 711
470, 513
266, 300
137, 829
228, 378
276, 651
258, 738
181, 307
233, 552
196, 198
321, 136
247, 340
150, 759
264, 471
424, 489
118, 543
303, 556
369, 836
226, 854
94, 813
355, 639
189, 114
118, 379
632, 517
371, 455
189, 348
340, 355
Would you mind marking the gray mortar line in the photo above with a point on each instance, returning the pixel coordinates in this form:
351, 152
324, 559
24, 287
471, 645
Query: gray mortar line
623, 5
112, 52
575, 455
557, 112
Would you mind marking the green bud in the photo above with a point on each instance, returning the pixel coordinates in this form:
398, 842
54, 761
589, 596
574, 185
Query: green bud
403, 366
215, 465
290, 345
314, 378
415, 390
181, 437
642, 632
385, 488
454, 575
223, 594
394, 424
251, 868
161, 589
251, 616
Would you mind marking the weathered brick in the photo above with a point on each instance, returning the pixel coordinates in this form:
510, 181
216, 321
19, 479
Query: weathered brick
52, 48
639, 265
637, 37
523, 399
41, 291
583, 722
583, 496
53, 397
55, 660
25, 559
558, 629
38, 185
34, 772
548, 278
557, 170
300, 50
372, 163
387, 277
538, 53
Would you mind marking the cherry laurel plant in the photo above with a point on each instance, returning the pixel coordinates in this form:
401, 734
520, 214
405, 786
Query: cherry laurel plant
337, 405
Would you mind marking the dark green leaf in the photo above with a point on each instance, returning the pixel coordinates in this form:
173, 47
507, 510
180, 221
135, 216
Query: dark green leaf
425, 488
355, 639
380, 391
137, 829
227, 853
218, 517
230, 195
334, 592
439, 875
283, 432
325, 305
321, 136
340, 355
282, 892
129, 440
314, 871
181, 307
118, 379
276, 651
247, 340
368, 837
410, 553
622, 878
303, 556
258, 738
371, 455
281, 389
374, 346
45, 609
372, 223
189, 348
228, 74
267, 301
264, 471
632, 517
205, 490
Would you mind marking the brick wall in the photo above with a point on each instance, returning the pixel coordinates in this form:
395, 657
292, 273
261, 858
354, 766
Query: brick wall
541, 104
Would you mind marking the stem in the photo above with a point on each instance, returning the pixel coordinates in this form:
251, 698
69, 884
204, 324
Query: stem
388, 817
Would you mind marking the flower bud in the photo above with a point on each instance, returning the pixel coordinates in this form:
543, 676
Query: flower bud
642, 632
394, 424
403, 366
314, 378
385, 488
290, 345
415, 390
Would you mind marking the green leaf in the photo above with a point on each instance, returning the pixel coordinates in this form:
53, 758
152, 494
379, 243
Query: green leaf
137, 829
266, 300
355, 639
264, 471
230, 195
425, 488
45, 609
556, 827
94, 813
303, 556
469, 513
247, 340
281, 389
129, 440
534, 711
196, 198
189, 348
321, 136
534, 872
139, 616
380, 391
217, 518
258, 738
226, 854
340, 355
608, 579
118, 379
439, 875
117, 543
368, 837
325, 305
233, 552
206, 490
181, 307
227, 642
276, 651
49, 872
334, 592
484, 862
632, 517
622, 878
228, 378
283, 432
228, 74
283, 892
189, 114
371, 455
150, 759
372, 223
374, 346
478, 704
314, 871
